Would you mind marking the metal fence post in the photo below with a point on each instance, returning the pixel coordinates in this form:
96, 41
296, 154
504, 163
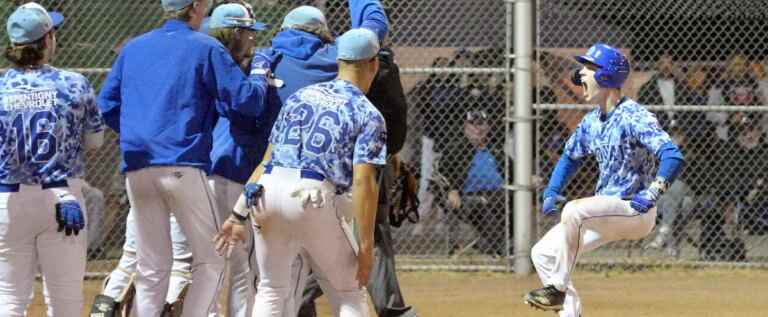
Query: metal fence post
523, 202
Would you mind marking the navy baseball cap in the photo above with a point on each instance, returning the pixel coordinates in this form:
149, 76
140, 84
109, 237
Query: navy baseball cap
30, 22
357, 44
233, 15
304, 15
175, 5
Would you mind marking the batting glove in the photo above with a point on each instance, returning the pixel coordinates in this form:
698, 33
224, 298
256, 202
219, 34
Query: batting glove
646, 199
252, 193
69, 215
552, 204
261, 64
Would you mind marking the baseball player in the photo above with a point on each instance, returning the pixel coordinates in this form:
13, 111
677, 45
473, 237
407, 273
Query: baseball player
326, 142
237, 149
163, 95
623, 136
48, 118
117, 286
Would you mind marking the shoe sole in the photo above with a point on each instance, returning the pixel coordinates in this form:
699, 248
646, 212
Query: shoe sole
531, 302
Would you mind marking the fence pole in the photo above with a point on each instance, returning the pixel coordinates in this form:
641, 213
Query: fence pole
523, 202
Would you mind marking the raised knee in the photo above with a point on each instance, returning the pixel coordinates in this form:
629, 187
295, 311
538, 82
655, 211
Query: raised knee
572, 212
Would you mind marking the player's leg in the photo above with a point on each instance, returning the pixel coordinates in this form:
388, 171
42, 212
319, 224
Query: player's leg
181, 270
276, 247
242, 277
62, 262
153, 240
334, 261
193, 204
544, 255
18, 261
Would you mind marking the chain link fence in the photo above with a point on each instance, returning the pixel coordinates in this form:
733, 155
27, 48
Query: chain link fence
702, 66
702, 54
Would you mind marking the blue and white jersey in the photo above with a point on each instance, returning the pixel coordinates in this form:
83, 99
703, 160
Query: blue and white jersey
327, 128
625, 144
44, 116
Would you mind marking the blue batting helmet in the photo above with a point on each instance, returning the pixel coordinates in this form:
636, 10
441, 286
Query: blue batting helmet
612, 65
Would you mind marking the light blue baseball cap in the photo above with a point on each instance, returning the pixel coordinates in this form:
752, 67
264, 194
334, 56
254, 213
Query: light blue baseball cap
234, 15
175, 5
357, 44
30, 22
304, 15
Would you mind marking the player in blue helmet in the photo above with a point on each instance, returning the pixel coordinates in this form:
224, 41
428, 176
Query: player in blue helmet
624, 137
48, 117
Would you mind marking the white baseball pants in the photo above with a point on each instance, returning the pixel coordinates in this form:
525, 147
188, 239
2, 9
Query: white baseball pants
181, 270
585, 225
242, 288
299, 214
29, 240
154, 192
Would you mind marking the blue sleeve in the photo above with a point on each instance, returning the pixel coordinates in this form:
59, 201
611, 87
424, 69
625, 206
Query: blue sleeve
564, 169
109, 100
369, 14
235, 91
94, 121
646, 130
577, 145
671, 162
371, 143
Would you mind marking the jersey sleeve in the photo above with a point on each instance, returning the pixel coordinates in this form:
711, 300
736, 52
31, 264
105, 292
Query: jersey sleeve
577, 145
645, 129
94, 122
369, 14
371, 142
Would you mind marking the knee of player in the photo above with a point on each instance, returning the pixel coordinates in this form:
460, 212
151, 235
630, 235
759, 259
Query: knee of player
572, 212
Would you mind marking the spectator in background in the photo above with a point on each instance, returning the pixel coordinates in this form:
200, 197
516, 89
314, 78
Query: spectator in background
758, 70
664, 87
474, 171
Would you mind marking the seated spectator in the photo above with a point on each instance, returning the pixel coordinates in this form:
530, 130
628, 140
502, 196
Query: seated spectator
665, 87
758, 70
473, 169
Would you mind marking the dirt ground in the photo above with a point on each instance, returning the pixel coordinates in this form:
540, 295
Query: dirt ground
678, 293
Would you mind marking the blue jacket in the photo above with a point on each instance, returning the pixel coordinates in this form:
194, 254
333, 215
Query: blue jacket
301, 59
165, 92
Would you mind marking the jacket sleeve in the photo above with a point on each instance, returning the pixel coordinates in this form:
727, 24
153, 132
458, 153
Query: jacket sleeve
233, 90
109, 100
369, 14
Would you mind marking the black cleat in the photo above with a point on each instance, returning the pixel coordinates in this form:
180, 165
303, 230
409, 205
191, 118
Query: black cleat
104, 306
546, 298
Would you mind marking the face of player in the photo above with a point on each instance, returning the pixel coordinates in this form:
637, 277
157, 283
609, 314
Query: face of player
242, 46
593, 93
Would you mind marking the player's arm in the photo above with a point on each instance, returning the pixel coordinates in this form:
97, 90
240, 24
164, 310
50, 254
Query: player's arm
365, 201
369, 14
233, 90
568, 164
648, 132
110, 99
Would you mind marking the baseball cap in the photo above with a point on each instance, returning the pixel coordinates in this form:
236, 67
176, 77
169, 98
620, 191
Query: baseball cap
358, 44
233, 15
30, 22
174, 5
304, 15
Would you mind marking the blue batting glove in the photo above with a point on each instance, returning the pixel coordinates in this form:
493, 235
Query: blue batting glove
69, 216
552, 204
645, 199
261, 64
252, 193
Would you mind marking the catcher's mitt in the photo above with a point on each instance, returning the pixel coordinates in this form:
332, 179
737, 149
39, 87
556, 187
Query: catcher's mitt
405, 202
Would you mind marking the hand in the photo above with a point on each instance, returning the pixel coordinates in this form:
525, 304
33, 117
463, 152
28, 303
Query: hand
454, 199
261, 64
69, 215
645, 199
552, 204
232, 232
364, 264
252, 193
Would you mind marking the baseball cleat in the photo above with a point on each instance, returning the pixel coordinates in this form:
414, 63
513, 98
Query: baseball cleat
546, 298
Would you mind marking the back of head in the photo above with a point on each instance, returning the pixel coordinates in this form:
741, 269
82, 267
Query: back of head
27, 28
612, 66
308, 19
357, 45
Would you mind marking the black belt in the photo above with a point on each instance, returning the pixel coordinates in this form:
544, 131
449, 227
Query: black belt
14, 188
308, 174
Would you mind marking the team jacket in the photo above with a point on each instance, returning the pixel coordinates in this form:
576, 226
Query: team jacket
165, 92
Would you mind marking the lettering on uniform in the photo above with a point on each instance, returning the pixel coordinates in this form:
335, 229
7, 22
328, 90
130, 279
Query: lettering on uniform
603, 151
313, 96
42, 99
